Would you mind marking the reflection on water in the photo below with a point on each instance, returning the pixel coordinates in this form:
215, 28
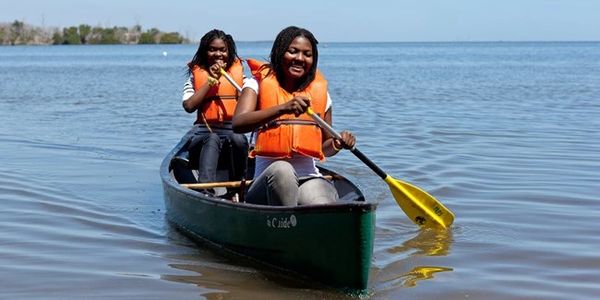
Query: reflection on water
418, 273
427, 242
222, 275
219, 278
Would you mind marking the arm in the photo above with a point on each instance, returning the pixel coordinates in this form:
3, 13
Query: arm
331, 146
194, 102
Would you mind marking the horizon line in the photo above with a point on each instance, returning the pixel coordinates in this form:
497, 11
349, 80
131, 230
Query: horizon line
441, 41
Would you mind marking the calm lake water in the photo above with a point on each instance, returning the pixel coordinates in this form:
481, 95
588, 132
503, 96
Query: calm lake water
506, 135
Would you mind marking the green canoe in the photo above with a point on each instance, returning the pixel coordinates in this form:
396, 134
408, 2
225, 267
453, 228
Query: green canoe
330, 244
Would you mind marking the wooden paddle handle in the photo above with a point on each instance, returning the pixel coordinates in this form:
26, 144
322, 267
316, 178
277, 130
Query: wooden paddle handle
237, 87
226, 184
210, 185
323, 124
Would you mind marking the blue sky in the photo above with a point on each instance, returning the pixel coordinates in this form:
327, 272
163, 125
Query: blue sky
331, 21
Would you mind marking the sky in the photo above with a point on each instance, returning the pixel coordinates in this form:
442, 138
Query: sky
329, 20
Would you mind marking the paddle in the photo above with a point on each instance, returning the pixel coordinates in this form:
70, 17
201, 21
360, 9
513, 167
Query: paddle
242, 182
227, 184
419, 206
211, 185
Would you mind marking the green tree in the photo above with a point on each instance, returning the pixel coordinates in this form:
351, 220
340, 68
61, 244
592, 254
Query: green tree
171, 38
71, 36
16, 29
108, 36
149, 37
57, 38
84, 32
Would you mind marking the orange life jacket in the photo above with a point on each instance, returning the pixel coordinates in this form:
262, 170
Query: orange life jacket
289, 134
221, 99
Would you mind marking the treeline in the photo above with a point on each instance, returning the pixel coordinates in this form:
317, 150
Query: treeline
19, 33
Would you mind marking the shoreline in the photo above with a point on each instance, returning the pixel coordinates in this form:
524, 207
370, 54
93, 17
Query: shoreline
20, 33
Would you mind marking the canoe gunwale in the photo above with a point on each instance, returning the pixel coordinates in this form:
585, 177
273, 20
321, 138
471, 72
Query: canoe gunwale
171, 183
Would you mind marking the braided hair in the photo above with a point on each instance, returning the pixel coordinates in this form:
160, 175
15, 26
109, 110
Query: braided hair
201, 56
280, 47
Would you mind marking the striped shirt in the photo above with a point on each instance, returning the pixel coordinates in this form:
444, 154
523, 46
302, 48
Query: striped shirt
188, 88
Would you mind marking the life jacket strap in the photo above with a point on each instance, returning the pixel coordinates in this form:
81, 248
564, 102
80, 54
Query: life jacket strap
275, 123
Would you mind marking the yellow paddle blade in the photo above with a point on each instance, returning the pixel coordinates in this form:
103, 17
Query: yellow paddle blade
418, 205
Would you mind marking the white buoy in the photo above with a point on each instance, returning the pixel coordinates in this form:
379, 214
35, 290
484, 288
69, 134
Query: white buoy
165, 53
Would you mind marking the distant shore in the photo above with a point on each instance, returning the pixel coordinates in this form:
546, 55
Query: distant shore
19, 33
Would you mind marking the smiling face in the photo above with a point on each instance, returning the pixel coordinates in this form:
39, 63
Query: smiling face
217, 52
297, 60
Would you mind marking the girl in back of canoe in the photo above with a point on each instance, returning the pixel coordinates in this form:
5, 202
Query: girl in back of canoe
214, 99
288, 141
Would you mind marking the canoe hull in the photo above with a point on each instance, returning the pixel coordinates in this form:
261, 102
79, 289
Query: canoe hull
332, 244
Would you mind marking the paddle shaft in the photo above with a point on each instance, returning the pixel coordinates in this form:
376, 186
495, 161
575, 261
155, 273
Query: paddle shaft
354, 150
369, 163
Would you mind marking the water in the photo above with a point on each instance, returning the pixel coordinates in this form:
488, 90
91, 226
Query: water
506, 135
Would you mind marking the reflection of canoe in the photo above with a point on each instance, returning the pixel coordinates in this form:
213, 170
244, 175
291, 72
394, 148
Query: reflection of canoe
331, 244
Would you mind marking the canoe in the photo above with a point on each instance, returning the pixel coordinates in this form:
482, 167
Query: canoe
331, 244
